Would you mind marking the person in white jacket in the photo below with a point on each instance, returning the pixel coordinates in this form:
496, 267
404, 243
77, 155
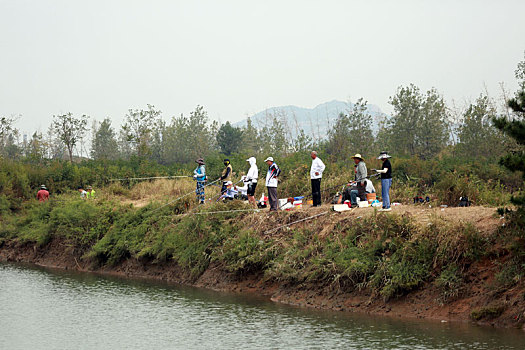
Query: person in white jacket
251, 180
316, 173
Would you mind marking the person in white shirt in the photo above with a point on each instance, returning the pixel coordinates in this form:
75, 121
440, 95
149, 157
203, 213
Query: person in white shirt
316, 173
83, 193
271, 182
243, 190
230, 191
251, 180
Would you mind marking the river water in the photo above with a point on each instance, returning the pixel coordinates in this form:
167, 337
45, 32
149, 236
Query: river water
50, 309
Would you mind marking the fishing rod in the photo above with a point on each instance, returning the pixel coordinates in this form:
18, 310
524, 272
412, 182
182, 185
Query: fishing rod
150, 178
221, 195
336, 186
184, 195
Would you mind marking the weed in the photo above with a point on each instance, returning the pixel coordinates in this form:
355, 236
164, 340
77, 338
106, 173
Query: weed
450, 282
488, 312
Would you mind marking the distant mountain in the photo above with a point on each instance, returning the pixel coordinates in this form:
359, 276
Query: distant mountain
315, 121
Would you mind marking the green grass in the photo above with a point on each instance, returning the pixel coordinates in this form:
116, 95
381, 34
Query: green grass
387, 254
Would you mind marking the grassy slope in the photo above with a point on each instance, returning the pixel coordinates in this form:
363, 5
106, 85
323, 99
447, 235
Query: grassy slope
385, 257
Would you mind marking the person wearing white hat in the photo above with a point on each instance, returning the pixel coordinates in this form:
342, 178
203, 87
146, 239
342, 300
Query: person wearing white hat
386, 180
271, 182
230, 192
251, 180
43, 194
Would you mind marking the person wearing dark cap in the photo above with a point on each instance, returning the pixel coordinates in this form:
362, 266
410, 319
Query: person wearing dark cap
83, 193
272, 178
199, 174
386, 180
226, 175
43, 194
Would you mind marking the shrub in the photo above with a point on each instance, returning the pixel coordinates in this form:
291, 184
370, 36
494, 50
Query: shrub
450, 282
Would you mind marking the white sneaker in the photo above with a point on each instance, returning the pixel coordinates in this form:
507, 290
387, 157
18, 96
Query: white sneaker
388, 209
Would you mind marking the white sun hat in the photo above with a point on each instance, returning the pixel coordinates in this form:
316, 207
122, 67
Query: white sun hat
383, 155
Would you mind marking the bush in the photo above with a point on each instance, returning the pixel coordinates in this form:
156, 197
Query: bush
450, 282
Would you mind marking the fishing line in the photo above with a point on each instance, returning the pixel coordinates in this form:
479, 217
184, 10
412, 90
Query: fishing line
184, 195
295, 222
149, 178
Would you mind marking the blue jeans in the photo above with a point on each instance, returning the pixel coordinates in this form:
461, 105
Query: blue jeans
353, 196
385, 192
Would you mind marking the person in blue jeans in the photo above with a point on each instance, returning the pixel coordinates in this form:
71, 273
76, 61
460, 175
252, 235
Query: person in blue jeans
386, 180
199, 174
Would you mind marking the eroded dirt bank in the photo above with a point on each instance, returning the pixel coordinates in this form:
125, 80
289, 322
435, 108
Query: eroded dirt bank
478, 300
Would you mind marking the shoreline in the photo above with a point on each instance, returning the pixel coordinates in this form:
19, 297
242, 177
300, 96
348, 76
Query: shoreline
414, 305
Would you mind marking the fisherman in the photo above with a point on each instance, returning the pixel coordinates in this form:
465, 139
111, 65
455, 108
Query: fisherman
199, 175
230, 192
271, 182
386, 180
242, 190
226, 175
43, 194
316, 173
90, 192
359, 185
369, 188
251, 180
83, 194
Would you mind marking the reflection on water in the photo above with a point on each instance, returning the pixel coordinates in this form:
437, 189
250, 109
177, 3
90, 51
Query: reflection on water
49, 309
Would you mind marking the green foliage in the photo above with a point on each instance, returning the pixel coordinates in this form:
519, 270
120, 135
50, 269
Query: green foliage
477, 136
450, 282
515, 128
136, 133
229, 139
245, 253
70, 130
14, 185
420, 123
510, 273
352, 133
104, 144
488, 312
405, 269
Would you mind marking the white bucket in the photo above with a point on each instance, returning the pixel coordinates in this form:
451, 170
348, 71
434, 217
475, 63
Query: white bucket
363, 204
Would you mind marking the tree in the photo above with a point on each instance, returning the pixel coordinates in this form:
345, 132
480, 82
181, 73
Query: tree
8, 137
137, 129
69, 130
419, 124
188, 138
360, 129
36, 148
339, 144
476, 134
229, 138
352, 133
272, 138
302, 142
515, 128
250, 136
104, 143
432, 128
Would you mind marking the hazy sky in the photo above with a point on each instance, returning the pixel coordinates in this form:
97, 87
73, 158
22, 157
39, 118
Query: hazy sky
238, 57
